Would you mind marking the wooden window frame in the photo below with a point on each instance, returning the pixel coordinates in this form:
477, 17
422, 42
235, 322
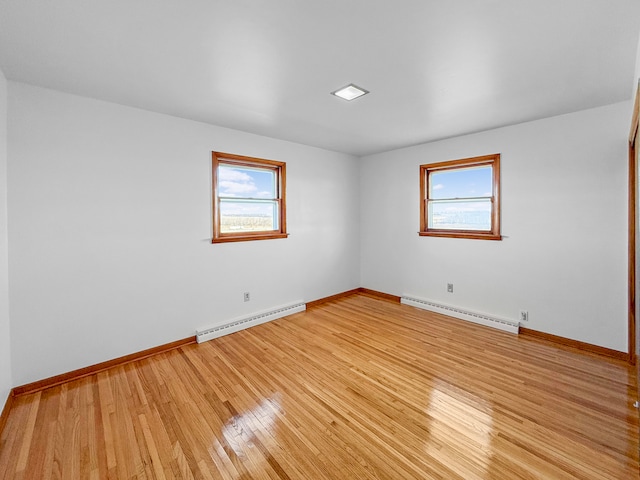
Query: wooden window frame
220, 158
486, 160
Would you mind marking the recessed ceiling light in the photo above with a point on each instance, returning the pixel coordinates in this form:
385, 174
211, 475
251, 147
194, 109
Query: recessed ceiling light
350, 92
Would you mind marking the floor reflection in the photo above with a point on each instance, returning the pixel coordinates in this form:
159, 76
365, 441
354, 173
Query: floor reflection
251, 429
465, 417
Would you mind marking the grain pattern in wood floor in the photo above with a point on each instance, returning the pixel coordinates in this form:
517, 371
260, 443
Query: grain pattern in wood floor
357, 388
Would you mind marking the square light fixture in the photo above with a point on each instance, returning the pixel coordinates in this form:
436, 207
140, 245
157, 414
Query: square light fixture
350, 92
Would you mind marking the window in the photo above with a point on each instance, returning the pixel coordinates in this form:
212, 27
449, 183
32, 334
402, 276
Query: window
248, 198
461, 198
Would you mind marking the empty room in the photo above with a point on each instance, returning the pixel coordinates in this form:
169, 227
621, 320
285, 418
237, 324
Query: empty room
319, 240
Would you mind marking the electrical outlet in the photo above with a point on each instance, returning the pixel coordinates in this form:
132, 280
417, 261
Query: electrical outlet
450, 287
524, 316
247, 296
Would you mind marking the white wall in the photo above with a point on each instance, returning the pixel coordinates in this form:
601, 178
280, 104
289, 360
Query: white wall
5, 344
636, 76
564, 207
110, 227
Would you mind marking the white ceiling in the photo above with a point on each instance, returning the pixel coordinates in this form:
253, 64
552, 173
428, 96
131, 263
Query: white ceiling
435, 69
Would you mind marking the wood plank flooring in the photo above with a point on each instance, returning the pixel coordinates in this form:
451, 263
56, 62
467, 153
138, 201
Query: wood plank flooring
357, 388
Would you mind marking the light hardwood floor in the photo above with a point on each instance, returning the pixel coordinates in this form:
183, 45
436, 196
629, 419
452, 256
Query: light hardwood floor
357, 388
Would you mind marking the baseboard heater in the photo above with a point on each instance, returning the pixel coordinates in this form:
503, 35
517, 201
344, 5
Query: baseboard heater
245, 322
475, 317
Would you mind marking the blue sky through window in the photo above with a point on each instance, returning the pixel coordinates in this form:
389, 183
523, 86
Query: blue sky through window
461, 183
243, 182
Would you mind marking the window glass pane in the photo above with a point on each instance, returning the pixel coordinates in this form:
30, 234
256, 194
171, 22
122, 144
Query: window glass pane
460, 215
236, 181
248, 215
461, 183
